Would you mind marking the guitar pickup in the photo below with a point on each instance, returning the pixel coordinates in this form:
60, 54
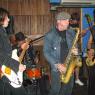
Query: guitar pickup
7, 70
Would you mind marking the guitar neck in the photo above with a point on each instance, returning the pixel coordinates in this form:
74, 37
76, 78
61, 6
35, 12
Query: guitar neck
24, 51
21, 56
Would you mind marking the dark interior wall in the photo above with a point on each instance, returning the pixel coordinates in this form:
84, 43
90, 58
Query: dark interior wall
32, 16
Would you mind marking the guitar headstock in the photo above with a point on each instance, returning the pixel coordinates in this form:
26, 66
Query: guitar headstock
28, 40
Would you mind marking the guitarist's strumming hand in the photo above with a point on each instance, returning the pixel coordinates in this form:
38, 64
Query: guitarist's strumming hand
61, 67
22, 67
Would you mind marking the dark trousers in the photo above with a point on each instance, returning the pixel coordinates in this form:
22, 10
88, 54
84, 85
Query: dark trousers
91, 80
7, 89
44, 85
58, 88
36, 86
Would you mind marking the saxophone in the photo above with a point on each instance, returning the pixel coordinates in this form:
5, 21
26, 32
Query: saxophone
71, 62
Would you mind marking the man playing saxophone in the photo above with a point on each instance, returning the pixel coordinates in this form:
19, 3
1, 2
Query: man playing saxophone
57, 43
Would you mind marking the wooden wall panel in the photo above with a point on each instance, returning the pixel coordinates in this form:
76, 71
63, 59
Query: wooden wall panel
32, 17
26, 7
32, 25
69, 10
4, 3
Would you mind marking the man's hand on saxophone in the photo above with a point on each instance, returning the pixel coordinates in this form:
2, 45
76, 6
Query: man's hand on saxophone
75, 51
61, 68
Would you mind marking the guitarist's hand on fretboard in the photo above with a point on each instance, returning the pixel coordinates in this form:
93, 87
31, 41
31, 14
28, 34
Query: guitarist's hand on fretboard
25, 45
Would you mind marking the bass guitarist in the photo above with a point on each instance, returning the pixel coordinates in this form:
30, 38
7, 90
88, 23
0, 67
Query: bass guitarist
6, 61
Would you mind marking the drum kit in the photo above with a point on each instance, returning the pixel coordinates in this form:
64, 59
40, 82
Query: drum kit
34, 78
33, 73
36, 72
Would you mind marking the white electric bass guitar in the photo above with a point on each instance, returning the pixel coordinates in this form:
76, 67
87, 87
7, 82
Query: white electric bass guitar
16, 79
